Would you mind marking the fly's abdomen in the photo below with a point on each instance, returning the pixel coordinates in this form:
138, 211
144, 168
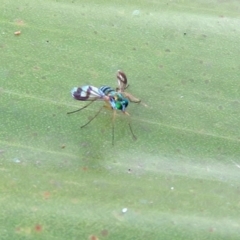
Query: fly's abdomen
107, 90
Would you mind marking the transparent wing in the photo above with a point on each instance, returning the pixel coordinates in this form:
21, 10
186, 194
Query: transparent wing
122, 81
87, 93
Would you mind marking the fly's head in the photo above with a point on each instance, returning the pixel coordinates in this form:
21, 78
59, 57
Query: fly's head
119, 102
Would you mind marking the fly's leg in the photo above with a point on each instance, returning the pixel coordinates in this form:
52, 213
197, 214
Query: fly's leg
92, 118
81, 108
113, 120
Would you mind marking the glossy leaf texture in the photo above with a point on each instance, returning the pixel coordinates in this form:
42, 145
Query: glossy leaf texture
179, 180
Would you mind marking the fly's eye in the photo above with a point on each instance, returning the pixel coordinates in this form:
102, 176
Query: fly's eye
125, 103
118, 105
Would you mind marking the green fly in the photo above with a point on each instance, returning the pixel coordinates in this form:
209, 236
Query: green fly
114, 100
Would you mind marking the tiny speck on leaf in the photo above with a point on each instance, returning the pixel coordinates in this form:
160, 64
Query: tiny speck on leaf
135, 12
207, 81
104, 232
20, 22
211, 229
16, 160
38, 228
124, 210
46, 195
92, 237
17, 33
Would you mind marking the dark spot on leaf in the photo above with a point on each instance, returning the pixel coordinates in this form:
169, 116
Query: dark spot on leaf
104, 232
36, 68
38, 228
63, 146
134, 49
20, 22
103, 131
18, 229
207, 81
47, 41
184, 34
34, 134
183, 82
92, 237
211, 229
220, 107
84, 144
203, 35
167, 50
235, 103
178, 150
160, 66
46, 195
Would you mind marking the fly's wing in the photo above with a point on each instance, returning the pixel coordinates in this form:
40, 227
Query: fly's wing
87, 93
122, 81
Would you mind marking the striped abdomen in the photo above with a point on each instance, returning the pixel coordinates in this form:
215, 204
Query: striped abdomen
108, 91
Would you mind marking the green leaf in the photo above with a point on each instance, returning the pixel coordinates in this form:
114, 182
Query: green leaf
179, 179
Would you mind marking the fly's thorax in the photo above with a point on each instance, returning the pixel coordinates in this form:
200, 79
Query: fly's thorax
118, 101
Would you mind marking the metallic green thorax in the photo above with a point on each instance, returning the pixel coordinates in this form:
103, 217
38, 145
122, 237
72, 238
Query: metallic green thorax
117, 100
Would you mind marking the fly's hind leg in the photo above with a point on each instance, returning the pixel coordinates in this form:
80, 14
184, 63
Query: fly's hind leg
92, 117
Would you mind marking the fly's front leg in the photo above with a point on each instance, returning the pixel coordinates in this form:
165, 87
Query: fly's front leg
113, 120
131, 97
